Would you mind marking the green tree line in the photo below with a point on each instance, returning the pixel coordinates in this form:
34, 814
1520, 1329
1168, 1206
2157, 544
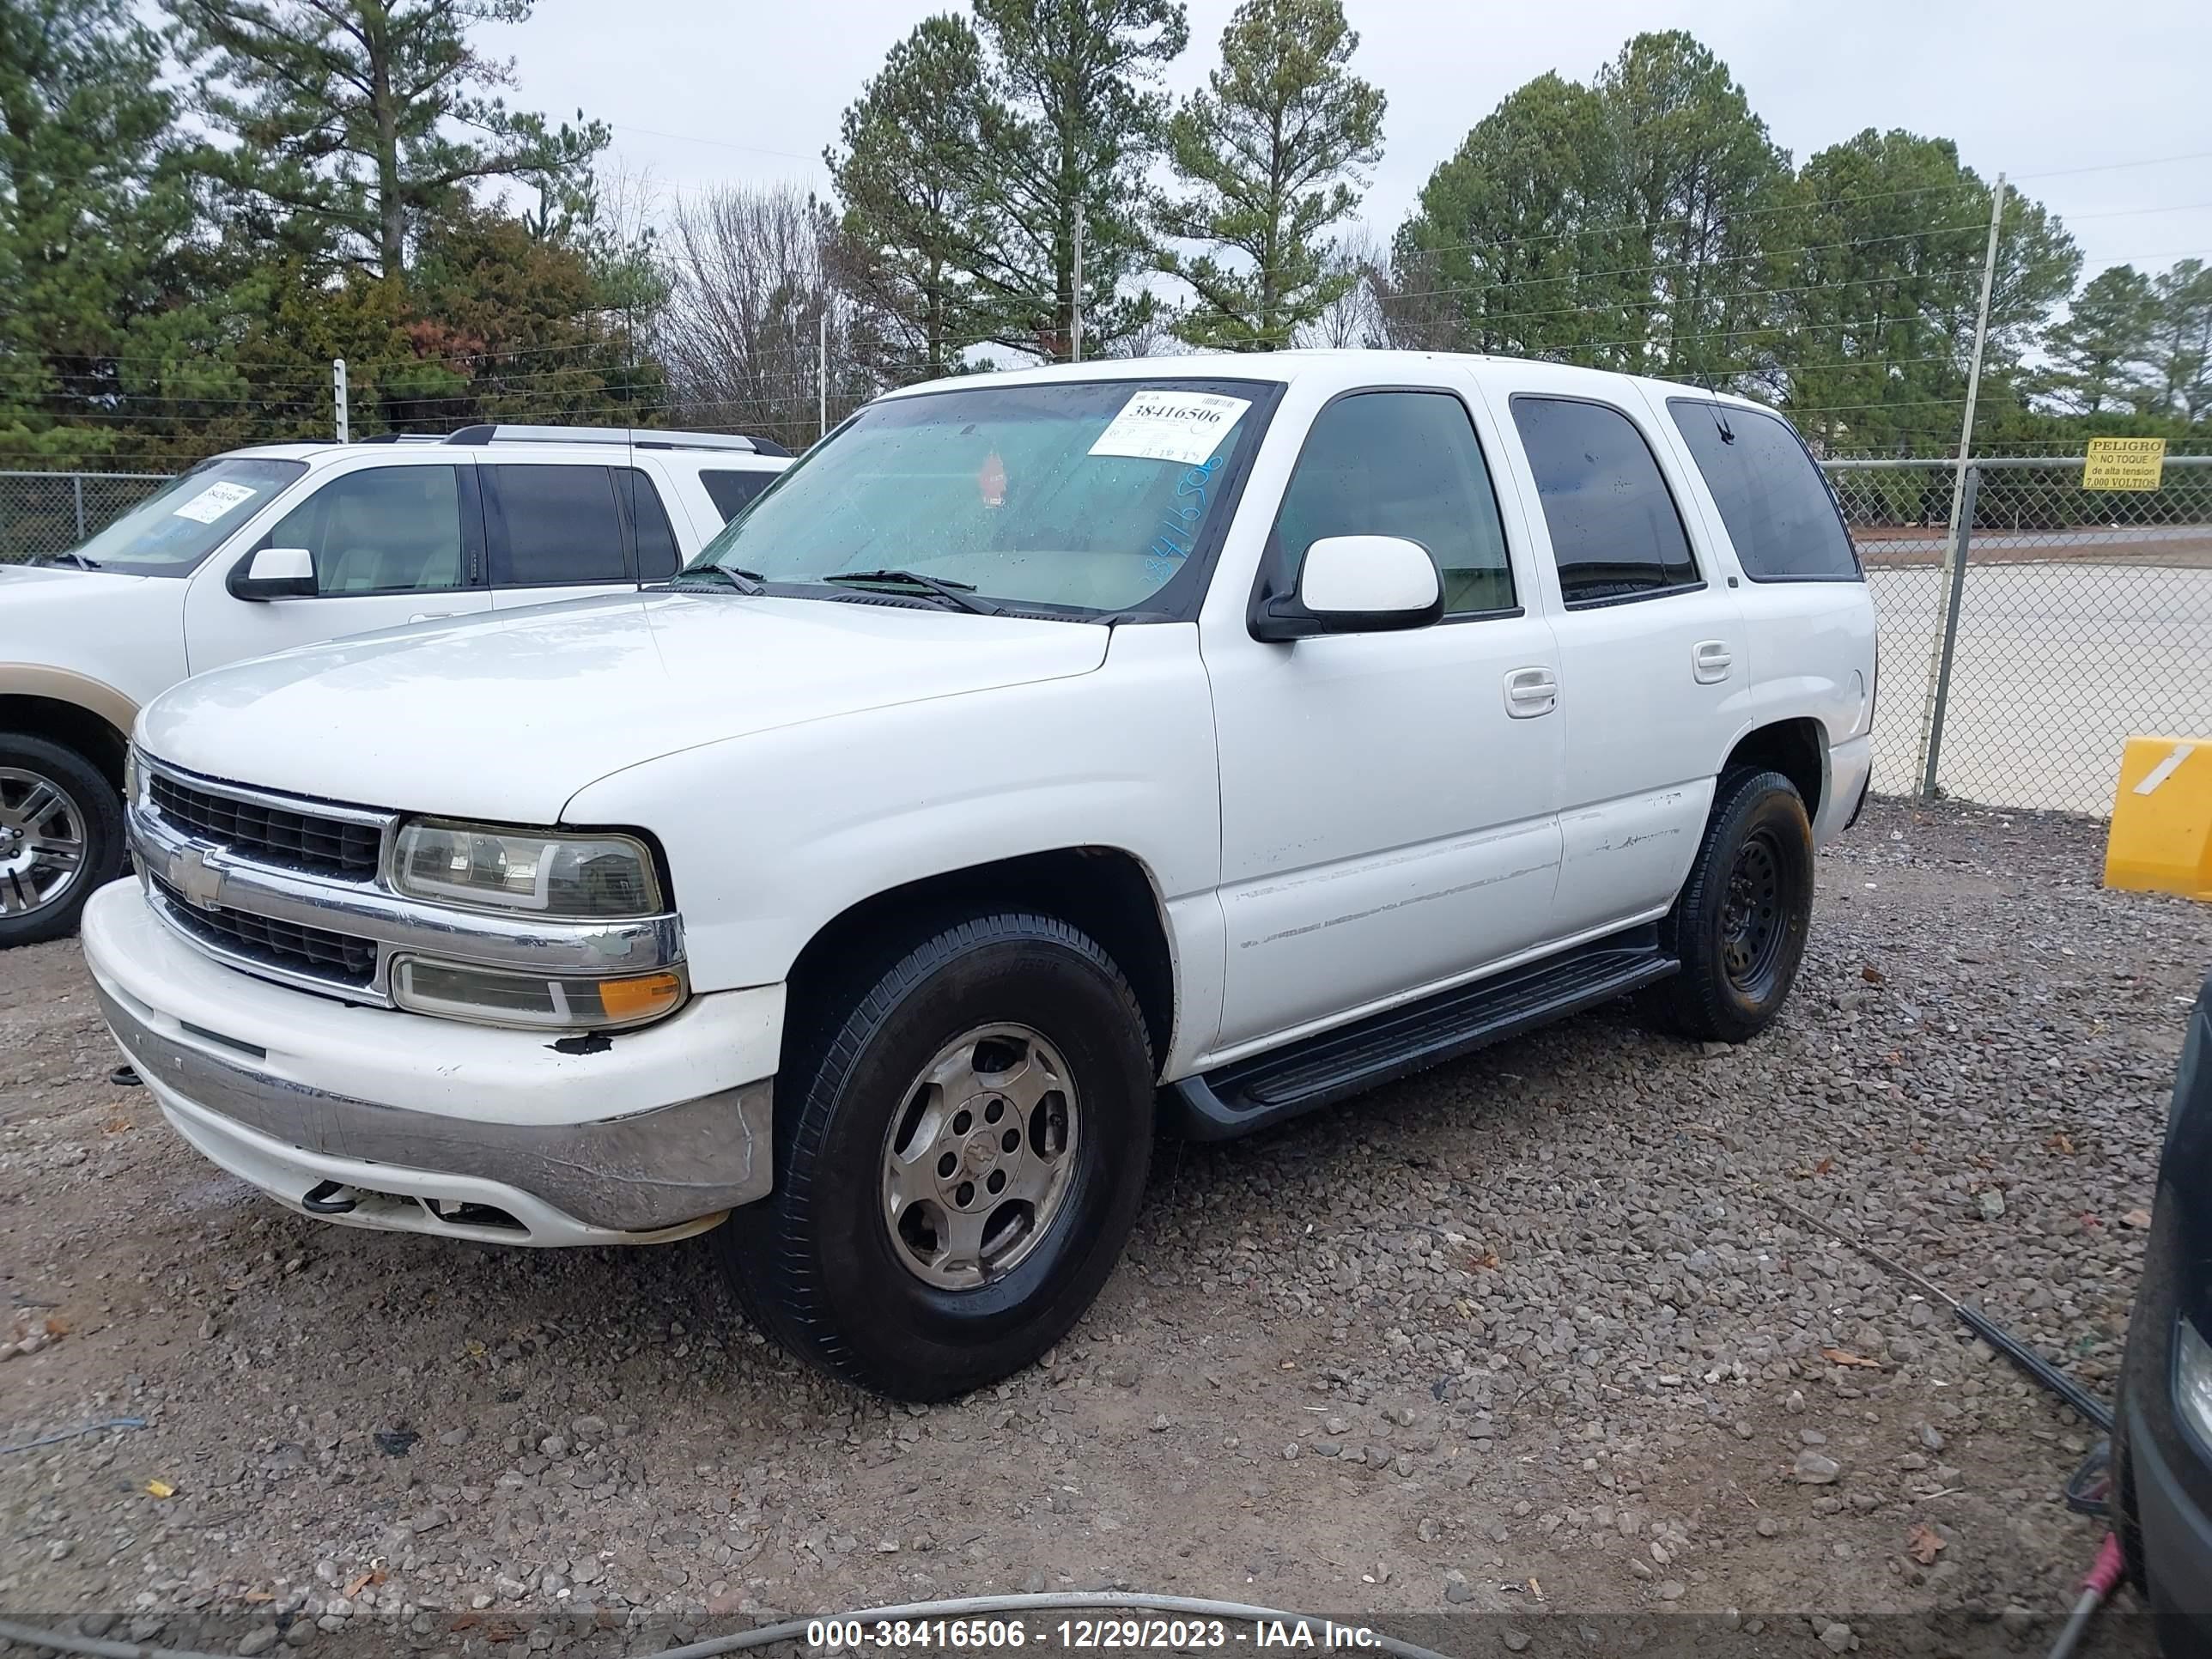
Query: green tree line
202, 205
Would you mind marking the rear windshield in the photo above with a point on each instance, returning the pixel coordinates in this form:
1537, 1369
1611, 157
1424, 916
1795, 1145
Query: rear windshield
169, 532
1776, 505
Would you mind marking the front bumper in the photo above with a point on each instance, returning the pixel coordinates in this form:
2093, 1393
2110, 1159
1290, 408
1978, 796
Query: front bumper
656, 1135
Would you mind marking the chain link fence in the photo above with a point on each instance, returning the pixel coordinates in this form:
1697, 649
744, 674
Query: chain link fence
43, 514
2077, 618
2081, 616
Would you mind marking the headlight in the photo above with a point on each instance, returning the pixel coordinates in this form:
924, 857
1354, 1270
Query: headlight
132, 776
497, 997
544, 870
2192, 1379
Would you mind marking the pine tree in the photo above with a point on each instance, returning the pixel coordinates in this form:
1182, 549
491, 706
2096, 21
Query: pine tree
905, 168
1703, 182
1270, 154
95, 207
2181, 340
1517, 244
2101, 351
361, 120
1067, 139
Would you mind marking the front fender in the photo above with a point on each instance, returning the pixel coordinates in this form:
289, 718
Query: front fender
770, 836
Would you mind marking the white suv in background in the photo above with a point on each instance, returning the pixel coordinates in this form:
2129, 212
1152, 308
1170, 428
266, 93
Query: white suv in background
1048, 754
289, 545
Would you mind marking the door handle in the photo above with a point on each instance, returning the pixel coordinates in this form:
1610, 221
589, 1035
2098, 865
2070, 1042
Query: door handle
1530, 692
1710, 661
432, 615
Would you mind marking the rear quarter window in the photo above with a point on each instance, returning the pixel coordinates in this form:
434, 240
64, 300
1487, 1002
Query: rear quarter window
732, 491
1777, 507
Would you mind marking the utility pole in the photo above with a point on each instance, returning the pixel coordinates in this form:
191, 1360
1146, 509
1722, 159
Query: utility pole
339, 397
1075, 297
821, 380
1962, 504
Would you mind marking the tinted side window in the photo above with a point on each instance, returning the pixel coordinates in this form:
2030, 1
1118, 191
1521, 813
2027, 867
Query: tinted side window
648, 523
1400, 463
1771, 497
386, 530
1614, 530
553, 525
732, 492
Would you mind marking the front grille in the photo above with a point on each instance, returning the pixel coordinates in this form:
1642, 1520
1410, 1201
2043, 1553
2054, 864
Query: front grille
273, 835
338, 958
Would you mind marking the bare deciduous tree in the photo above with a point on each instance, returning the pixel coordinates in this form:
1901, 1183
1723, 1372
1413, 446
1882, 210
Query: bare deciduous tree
1354, 318
752, 272
1417, 305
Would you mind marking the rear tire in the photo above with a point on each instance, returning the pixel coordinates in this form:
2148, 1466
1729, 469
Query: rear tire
1740, 923
61, 837
959, 1160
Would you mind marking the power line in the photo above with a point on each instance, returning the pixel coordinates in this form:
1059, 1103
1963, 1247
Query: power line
2116, 167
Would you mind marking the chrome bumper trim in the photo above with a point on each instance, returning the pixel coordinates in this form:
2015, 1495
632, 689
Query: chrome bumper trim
217, 878
637, 1174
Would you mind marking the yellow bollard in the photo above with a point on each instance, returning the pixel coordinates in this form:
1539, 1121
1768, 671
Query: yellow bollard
2160, 840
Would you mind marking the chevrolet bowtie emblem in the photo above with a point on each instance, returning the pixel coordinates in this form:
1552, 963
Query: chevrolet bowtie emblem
198, 881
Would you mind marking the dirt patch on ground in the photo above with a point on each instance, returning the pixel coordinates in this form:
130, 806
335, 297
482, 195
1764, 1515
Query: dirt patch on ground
1518, 1348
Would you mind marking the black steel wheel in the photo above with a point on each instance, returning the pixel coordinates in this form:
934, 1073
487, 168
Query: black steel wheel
1739, 925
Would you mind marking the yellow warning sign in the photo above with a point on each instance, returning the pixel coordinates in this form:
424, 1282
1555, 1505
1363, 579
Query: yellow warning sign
2124, 463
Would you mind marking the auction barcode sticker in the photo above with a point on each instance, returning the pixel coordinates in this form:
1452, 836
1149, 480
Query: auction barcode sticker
213, 502
1171, 426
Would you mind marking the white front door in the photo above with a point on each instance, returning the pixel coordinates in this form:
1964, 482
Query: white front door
1387, 800
1651, 658
392, 543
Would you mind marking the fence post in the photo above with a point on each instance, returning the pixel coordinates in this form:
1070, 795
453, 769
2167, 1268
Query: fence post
1954, 551
76, 489
1941, 700
339, 397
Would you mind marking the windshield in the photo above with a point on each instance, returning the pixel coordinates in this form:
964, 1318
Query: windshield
1086, 498
169, 532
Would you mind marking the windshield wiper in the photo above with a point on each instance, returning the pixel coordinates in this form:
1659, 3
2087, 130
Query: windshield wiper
743, 581
74, 558
951, 592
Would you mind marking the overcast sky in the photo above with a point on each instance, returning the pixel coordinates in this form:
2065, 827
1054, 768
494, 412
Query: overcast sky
700, 92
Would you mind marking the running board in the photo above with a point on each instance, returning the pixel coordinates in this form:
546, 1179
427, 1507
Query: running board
1320, 1071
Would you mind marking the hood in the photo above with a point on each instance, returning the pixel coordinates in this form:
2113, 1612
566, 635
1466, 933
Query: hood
24, 586
504, 718
124, 634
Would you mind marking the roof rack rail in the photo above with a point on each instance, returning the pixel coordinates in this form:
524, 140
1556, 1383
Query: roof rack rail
630, 437
403, 438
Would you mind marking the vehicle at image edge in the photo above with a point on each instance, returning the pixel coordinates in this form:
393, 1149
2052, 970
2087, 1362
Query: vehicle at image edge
2162, 1440
1044, 755
287, 544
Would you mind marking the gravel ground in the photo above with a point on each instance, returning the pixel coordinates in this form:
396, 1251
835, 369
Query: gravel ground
1516, 1350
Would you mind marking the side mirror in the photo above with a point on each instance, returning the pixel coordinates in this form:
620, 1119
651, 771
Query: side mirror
273, 573
1356, 585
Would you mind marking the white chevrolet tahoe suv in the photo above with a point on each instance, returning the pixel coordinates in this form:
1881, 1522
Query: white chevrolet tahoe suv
287, 545
1044, 757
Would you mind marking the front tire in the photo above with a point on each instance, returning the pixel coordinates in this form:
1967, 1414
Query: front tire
960, 1154
1740, 923
61, 837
